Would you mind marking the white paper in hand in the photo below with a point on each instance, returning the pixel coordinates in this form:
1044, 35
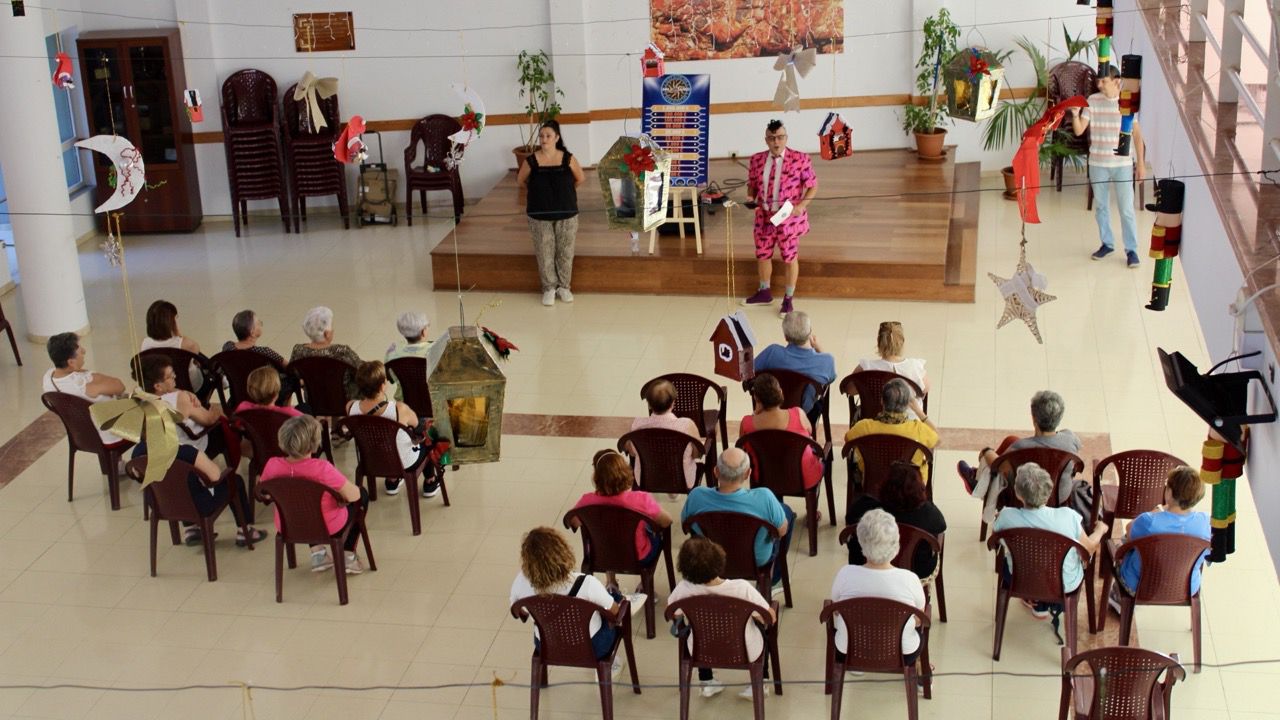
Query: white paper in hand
783, 213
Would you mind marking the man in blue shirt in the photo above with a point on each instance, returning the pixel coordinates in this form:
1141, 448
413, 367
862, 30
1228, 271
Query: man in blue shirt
732, 494
803, 355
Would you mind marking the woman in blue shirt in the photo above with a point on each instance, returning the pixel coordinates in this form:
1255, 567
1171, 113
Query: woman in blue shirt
1183, 489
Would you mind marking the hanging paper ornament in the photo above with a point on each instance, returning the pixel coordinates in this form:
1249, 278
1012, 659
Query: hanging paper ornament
127, 163
111, 249
635, 178
973, 79
1222, 464
313, 89
62, 78
1105, 25
195, 108
472, 121
349, 147
1130, 99
1026, 161
798, 61
1166, 238
142, 417
835, 137
652, 63
1023, 293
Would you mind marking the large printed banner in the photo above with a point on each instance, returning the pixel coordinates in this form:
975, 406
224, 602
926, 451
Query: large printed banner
720, 29
677, 114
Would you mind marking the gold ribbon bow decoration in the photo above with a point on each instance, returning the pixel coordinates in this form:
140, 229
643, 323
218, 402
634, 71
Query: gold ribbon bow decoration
799, 60
313, 89
142, 416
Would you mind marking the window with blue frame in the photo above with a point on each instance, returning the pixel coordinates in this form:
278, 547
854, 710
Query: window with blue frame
64, 107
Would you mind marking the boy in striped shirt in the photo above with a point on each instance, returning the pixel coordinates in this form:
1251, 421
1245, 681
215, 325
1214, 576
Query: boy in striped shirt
1107, 169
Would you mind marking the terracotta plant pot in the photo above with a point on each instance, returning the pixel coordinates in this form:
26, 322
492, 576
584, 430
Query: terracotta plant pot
1010, 191
929, 145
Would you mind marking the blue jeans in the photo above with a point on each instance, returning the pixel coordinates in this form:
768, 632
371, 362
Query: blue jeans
1103, 179
785, 542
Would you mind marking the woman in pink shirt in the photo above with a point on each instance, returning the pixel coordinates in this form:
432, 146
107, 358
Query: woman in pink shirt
263, 388
612, 478
300, 438
766, 395
661, 396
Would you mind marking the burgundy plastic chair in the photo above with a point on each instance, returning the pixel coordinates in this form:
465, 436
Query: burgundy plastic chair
234, 366
564, 633
325, 391
609, 545
879, 452
1130, 683
378, 457
261, 427
1037, 577
873, 628
252, 145
313, 170
1055, 462
691, 402
411, 374
863, 388
182, 361
736, 533
1141, 477
1065, 80
13, 342
1168, 560
297, 500
776, 464
82, 435
170, 501
718, 623
660, 452
433, 133
793, 385
912, 541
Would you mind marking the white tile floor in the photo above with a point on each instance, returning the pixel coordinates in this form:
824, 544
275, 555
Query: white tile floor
77, 606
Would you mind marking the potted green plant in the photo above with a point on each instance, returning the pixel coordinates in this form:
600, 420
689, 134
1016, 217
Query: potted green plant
541, 97
925, 121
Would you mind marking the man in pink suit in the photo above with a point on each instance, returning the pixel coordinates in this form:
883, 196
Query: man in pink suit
775, 178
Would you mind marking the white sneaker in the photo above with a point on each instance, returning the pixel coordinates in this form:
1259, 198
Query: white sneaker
564, 294
638, 600
320, 560
549, 298
746, 694
710, 688
354, 567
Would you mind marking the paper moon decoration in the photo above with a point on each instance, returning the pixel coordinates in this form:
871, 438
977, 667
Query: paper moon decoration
471, 102
130, 170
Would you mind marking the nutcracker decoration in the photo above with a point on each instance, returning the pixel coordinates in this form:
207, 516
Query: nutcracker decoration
1130, 99
1221, 467
1166, 238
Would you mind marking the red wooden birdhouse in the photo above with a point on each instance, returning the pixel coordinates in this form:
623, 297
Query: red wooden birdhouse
733, 342
652, 63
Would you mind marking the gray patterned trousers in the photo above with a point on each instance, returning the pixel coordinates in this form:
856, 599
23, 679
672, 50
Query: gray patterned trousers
553, 246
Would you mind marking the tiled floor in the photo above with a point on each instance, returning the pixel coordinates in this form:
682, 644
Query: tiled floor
77, 606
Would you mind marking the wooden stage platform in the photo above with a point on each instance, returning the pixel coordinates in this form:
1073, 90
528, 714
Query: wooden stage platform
867, 239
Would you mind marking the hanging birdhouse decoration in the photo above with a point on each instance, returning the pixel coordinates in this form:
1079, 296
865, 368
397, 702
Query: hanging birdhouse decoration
835, 137
973, 80
635, 178
652, 64
734, 344
467, 393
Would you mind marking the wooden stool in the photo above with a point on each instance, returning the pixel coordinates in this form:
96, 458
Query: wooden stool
676, 215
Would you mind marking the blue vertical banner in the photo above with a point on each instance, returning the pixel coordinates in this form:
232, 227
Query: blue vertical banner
677, 115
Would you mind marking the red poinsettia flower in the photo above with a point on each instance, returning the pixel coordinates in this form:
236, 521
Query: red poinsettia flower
977, 65
470, 119
639, 160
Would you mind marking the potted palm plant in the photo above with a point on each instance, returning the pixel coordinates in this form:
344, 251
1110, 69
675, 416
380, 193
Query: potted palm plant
925, 121
541, 97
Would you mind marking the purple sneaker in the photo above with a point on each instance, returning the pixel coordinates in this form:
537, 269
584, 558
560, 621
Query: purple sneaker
786, 306
968, 474
763, 296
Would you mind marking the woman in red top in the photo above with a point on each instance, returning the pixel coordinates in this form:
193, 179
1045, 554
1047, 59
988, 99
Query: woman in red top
769, 414
299, 438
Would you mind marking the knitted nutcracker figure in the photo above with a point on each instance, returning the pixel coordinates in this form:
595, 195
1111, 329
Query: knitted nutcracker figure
1105, 24
1130, 99
1166, 238
1222, 465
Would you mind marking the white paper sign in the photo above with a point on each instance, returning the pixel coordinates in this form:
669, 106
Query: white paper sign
783, 213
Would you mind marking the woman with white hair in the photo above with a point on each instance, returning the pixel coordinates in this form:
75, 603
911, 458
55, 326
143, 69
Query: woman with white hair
413, 327
318, 327
878, 537
1033, 486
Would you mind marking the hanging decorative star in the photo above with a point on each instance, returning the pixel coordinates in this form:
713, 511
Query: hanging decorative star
1023, 293
798, 61
111, 249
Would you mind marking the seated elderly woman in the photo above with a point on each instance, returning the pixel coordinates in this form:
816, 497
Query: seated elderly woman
159, 378
263, 388
413, 328
878, 578
904, 497
375, 398
1033, 486
889, 344
299, 438
547, 567
1182, 490
898, 398
163, 332
1047, 408
318, 327
701, 562
247, 327
69, 376
661, 398
768, 414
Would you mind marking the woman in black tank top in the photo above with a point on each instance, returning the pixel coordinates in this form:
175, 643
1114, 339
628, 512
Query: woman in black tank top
551, 177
